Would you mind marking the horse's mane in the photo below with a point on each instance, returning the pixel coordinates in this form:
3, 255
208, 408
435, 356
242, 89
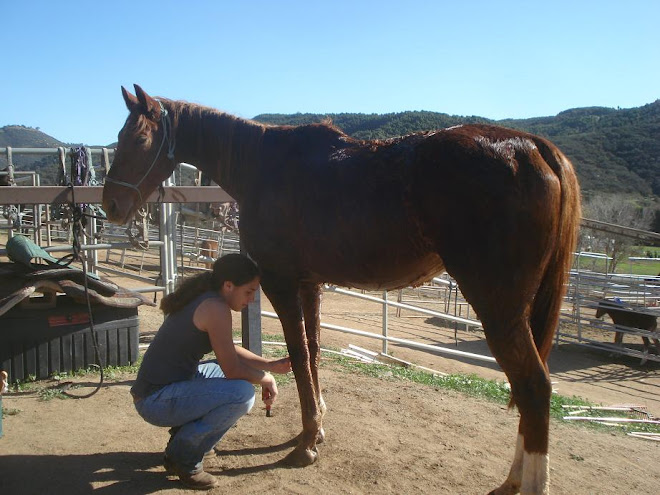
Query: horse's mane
219, 137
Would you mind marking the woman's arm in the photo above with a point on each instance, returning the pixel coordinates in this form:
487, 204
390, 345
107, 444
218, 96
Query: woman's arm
273, 365
214, 318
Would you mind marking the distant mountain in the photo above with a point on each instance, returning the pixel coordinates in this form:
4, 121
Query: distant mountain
613, 150
19, 136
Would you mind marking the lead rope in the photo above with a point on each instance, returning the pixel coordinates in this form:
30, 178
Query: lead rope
80, 176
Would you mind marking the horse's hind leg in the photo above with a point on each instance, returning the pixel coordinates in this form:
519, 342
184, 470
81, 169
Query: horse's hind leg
657, 346
311, 304
504, 307
618, 339
515, 351
647, 343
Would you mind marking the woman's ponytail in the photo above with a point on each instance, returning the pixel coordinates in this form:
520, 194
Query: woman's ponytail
235, 268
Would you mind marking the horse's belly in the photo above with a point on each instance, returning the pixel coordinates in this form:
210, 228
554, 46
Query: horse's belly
382, 271
374, 246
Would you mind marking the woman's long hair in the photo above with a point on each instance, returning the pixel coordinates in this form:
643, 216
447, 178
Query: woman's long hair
234, 268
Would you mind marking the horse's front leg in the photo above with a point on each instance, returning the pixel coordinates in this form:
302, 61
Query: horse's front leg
311, 304
284, 297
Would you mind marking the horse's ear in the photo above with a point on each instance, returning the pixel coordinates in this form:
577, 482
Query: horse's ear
149, 105
131, 101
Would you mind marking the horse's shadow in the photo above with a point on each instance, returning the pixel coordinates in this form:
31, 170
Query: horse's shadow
109, 473
595, 364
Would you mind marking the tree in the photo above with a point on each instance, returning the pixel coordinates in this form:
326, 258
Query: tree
619, 210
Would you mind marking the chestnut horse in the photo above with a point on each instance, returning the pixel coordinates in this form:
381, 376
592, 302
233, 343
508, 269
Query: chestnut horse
496, 208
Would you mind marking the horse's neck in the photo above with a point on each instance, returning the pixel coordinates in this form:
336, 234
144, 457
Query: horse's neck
224, 147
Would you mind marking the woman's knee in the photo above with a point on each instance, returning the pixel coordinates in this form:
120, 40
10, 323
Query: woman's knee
245, 392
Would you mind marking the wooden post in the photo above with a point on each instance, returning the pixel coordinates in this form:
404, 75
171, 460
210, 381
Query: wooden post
251, 322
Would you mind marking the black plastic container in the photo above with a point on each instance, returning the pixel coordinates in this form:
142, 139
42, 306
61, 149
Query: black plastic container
41, 342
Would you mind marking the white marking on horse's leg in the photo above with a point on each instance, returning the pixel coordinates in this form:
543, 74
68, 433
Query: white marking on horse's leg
512, 483
320, 437
536, 477
322, 405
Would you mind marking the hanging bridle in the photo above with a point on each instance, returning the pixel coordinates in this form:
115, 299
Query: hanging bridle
171, 144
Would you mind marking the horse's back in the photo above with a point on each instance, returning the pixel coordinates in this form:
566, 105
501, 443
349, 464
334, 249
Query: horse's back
485, 181
380, 209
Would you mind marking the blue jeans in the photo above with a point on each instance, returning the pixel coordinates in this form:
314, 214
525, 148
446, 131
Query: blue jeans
204, 408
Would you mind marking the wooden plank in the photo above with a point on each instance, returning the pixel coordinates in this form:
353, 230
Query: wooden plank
93, 194
66, 359
123, 346
619, 229
612, 420
112, 347
54, 361
17, 367
30, 354
133, 341
42, 360
78, 351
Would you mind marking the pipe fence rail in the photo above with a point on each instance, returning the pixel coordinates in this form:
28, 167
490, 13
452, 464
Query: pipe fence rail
177, 235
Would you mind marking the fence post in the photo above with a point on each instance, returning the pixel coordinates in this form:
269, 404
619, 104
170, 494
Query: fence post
385, 307
167, 234
251, 322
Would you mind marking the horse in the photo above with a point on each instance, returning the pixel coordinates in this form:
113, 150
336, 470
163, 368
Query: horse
209, 249
496, 208
629, 318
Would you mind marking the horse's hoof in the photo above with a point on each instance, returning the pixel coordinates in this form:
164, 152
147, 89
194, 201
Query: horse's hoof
301, 457
320, 436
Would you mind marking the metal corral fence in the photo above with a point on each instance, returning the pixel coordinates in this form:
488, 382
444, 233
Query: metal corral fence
178, 236
633, 296
442, 300
151, 250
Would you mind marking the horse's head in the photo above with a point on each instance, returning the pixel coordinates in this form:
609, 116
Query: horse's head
143, 159
604, 305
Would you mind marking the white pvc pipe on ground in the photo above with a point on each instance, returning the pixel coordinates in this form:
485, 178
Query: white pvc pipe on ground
395, 340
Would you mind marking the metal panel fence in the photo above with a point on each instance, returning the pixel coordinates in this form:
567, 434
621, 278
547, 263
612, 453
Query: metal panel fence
179, 235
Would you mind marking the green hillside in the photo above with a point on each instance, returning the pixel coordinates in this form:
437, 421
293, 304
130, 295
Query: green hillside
613, 150
19, 136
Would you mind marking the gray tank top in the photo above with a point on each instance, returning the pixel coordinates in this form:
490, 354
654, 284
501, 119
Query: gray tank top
174, 354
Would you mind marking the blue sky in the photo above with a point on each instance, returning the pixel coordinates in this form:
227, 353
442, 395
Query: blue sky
65, 62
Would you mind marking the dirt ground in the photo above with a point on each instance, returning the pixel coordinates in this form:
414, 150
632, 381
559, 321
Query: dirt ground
383, 435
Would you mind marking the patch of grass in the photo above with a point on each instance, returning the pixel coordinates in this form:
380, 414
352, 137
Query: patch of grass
46, 394
31, 384
475, 386
10, 411
649, 266
109, 372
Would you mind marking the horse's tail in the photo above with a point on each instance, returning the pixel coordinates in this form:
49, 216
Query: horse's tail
547, 303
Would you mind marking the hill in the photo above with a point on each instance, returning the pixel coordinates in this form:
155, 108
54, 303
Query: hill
613, 150
19, 136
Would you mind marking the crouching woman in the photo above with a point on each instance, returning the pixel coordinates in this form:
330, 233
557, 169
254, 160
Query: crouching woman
201, 401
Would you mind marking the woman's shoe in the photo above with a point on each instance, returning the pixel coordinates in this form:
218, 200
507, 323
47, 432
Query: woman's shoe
197, 481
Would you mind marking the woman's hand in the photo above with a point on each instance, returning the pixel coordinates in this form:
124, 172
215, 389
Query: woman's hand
280, 366
268, 389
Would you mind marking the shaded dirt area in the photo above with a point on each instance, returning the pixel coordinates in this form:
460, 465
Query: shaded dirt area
383, 435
